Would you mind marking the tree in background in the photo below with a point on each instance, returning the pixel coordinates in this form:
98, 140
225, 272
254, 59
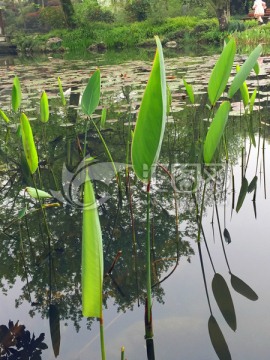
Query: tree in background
69, 12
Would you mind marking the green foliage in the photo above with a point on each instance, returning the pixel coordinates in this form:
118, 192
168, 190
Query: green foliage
52, 17
138, 10
90, 11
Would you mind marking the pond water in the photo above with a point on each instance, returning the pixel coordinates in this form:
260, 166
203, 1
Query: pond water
40, 283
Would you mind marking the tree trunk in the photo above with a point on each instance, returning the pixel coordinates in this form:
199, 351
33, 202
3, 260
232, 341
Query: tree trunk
223, 13
69, 12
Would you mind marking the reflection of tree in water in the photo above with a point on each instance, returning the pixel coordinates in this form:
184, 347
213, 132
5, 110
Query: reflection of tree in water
53, 276
16, 343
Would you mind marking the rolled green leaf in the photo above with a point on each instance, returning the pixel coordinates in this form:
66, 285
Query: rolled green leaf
244, 71
91, 94
215, 131
4, 116
44, 107
224, 300
28, 144
217, 339
221, 72
150, 125
190, 92
61, 92
92, 254
36, 193
16, 95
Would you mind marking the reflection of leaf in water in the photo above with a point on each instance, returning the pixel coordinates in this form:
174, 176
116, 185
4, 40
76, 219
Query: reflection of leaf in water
242, 288
55, 328
227, 236
217, 340
224, 300
242, 194
253, 184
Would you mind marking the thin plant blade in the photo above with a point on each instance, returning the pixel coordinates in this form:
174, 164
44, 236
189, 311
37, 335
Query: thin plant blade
91, 94
92, 254
150, 125
16, 95
217, 339
224, 300
215, 131
221, 72
28, 144
44, 107
244, 71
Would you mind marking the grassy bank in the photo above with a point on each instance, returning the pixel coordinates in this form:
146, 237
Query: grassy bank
182, 30
113, 36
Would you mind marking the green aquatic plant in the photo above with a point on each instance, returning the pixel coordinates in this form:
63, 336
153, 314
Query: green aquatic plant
147, 140
16, 95
216, 86
44, 107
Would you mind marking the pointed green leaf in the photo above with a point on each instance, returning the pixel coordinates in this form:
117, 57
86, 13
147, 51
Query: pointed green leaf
4, 116
61, 92
215, 131
92, 254
54, 320
36, 193
221, 72
242, 288
252, 100
224, 300
242, 194
91, 94
244, 71
16, 95
150, 125
217, 339
28, 144
243, 90
44, 107
253, 184
190, 92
